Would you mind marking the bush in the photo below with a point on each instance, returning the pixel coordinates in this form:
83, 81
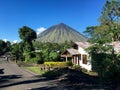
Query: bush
69, 63
57, 64
36, 60
113, 74
40, 62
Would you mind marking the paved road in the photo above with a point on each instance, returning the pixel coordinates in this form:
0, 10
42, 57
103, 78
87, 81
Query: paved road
17, 78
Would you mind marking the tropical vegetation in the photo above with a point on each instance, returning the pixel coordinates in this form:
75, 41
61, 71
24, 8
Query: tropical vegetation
104, 59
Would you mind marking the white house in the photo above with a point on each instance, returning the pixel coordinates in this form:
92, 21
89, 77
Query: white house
80, 56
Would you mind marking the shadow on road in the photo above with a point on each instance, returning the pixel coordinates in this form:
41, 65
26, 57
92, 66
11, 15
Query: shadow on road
1, 71
7, 79
48, 88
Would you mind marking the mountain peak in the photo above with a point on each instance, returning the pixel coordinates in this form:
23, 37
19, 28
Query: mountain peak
60, 33
61, 24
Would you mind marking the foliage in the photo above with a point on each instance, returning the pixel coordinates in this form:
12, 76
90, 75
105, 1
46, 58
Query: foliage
104, 59
109, 28
110, 12
114, 71
111, 16
36, 60
46, 52
17, 51
4, 47
50, 51
54, 56
8, 46
69, 63
27, 34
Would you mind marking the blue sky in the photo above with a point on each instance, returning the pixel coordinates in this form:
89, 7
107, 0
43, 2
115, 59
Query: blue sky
40, 14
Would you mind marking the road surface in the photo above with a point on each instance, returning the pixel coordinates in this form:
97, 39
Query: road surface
17, 78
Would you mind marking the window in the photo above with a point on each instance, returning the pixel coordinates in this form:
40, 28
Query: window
84, 59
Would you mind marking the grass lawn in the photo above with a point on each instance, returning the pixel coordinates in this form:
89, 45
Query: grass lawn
36, 69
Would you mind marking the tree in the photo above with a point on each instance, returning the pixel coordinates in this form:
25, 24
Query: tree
4, 46
104, 60
110, 12
50, 51
110, 16
8, 44
27, 34
54, 56
15, 51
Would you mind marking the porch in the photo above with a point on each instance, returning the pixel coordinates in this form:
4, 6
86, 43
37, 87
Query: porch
73, 54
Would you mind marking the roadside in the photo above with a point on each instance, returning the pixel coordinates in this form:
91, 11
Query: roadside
19, 78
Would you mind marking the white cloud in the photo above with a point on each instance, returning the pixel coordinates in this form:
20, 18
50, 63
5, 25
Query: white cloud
15, 41
5, 40
41, 29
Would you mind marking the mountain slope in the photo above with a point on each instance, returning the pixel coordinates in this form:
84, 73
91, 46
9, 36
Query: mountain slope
59, 34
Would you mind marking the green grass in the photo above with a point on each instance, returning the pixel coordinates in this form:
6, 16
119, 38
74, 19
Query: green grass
36, 69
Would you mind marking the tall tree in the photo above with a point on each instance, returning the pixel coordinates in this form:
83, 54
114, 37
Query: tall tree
15, 51
27, 35
4, 47
110, 16
109, 28
104, 60
8, 44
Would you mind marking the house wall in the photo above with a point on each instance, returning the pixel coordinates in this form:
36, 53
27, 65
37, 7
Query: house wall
88, 65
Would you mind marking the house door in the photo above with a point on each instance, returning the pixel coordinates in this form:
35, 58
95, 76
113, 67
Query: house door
76, 59
84, 59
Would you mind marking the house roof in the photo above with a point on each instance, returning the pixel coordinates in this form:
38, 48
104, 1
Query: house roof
116, 46
69, 52
73, 51
83, 45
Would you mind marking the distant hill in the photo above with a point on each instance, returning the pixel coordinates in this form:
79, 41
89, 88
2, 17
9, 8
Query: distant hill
59, 34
